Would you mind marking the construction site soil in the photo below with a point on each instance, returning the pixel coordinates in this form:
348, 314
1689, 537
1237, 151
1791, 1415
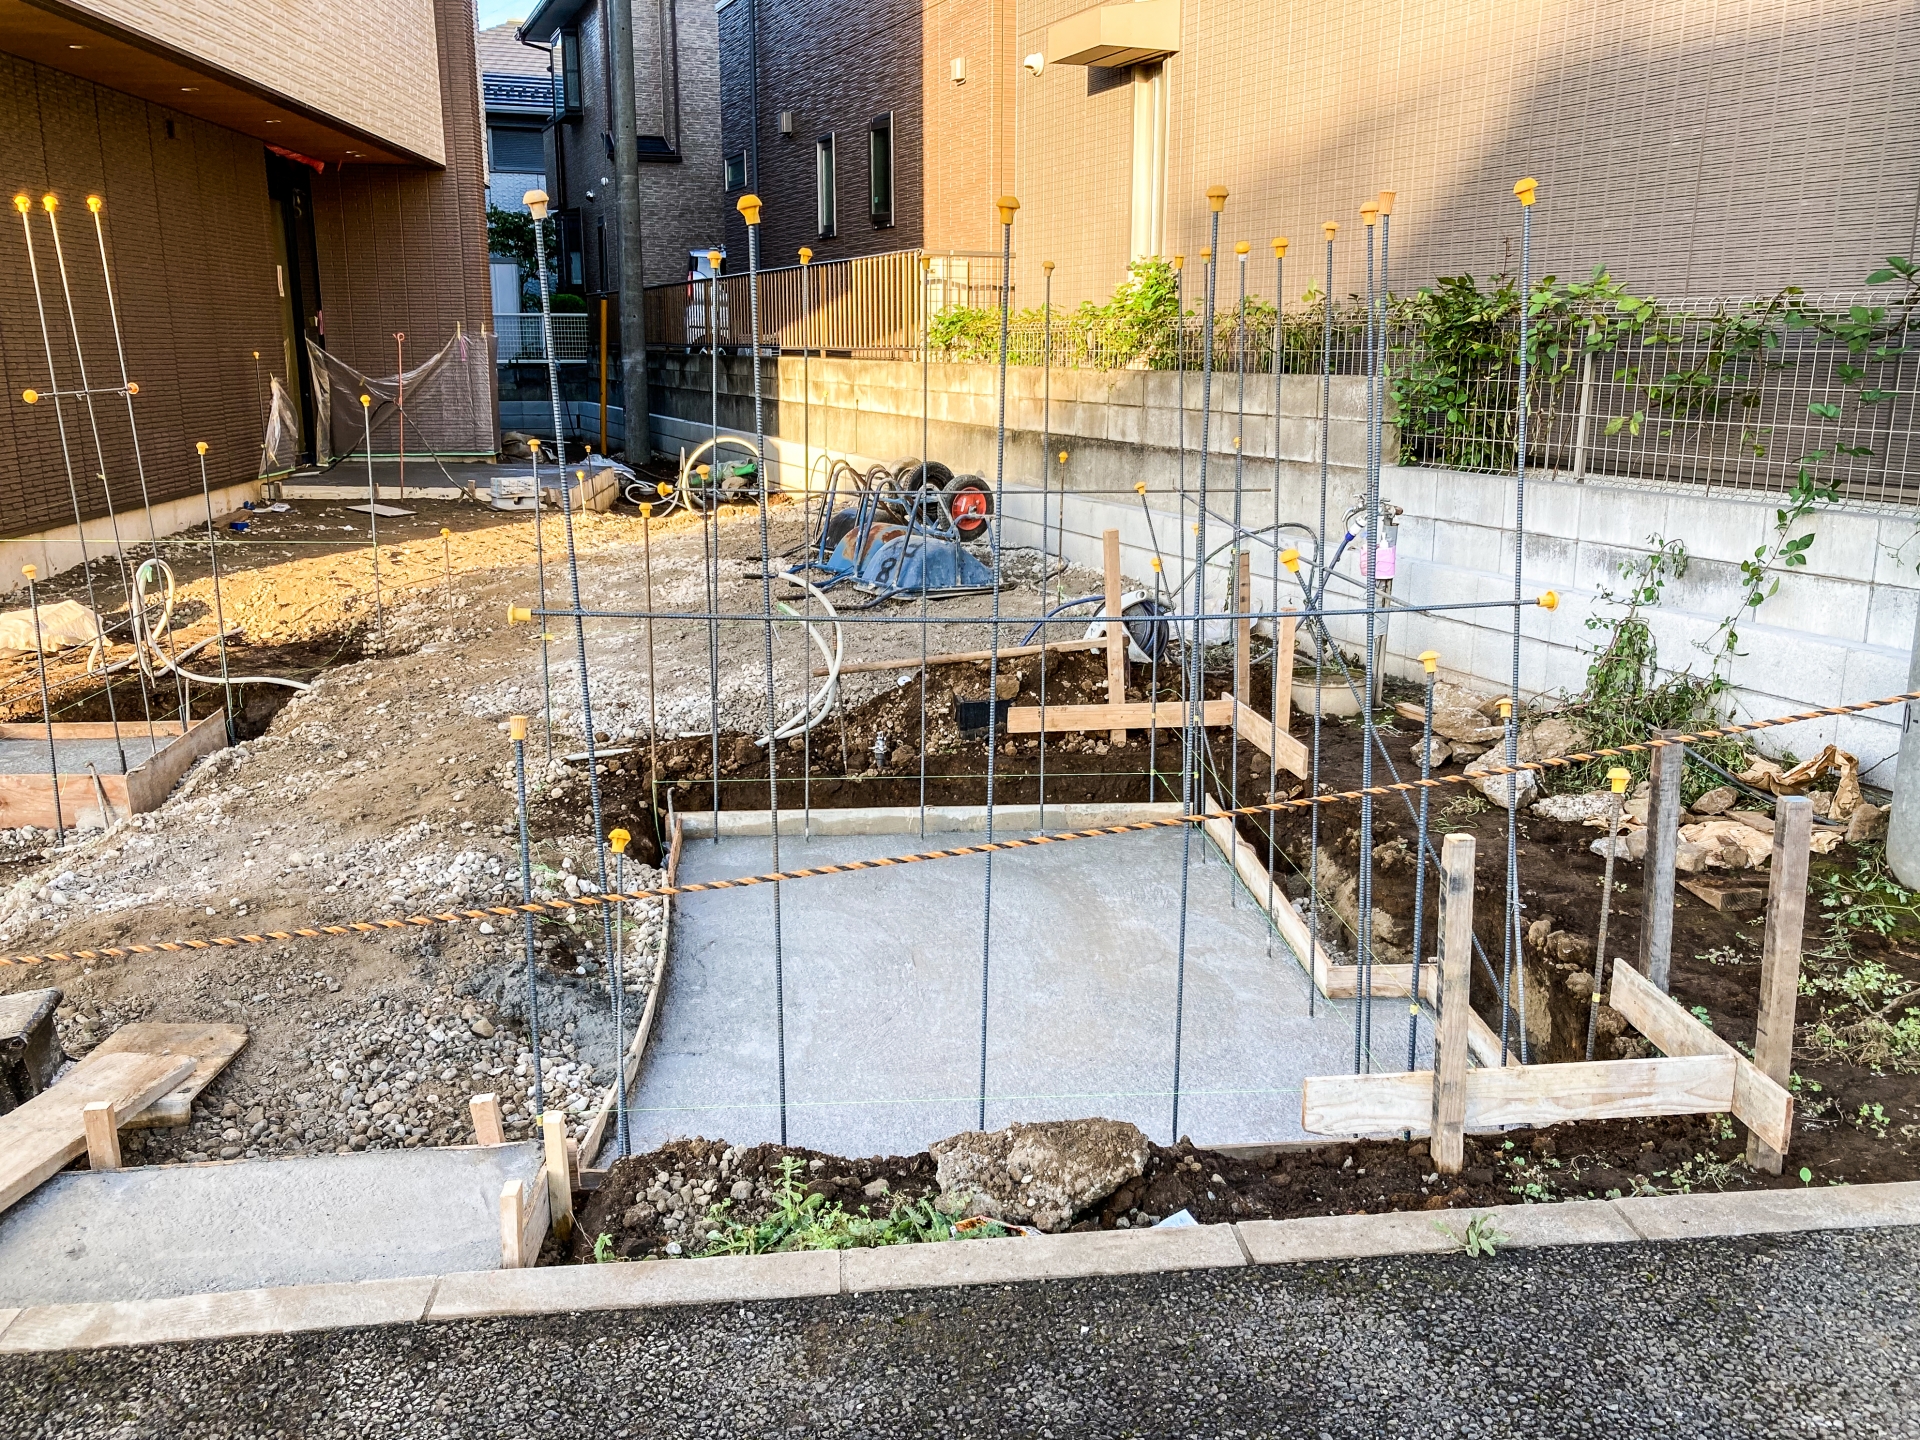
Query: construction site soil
388, 788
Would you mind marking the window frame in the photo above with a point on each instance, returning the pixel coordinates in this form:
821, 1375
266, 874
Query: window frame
880, 215
826, 186
566, 92
727, 181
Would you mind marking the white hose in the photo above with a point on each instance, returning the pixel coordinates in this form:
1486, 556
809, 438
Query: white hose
155, 662
819, 706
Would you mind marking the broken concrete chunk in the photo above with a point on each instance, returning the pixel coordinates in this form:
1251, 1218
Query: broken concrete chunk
1041, 1174
1442, 752
1868, 822
1525, 785
1717, 802
1689, 858
1753, 820
1596, 805
1637, 843
1549, 739
1622, 845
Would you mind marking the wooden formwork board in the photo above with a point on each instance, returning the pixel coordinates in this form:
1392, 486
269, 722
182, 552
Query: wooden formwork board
28, 799
41, 1137
210, 1047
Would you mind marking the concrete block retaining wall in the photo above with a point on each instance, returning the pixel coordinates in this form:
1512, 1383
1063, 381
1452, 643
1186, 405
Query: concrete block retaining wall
1841, 629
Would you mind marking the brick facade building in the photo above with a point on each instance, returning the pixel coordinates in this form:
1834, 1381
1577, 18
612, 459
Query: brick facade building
259, 185
1696, 147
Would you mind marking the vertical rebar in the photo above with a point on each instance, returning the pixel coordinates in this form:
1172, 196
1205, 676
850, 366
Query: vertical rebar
517, 731
653, 704
540, 578
1321, 640
1196, 657
1430, 662
750, 212
373, 518
1007, 205
1363, 937
1273, 702
710, 537
593, 763
1240, 603
446, 558
926, 460
1617, 785
213, 565
1515, 980
46, 706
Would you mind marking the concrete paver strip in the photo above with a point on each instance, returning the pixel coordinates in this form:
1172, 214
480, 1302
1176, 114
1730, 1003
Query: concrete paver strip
1764, 1212
234, 1312
1428, 1232
1042, 1257
725, 1279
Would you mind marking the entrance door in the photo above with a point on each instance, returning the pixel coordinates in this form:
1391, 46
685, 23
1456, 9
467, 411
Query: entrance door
289, 186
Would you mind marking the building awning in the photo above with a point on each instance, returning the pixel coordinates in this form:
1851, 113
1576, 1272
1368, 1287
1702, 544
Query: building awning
1115, 35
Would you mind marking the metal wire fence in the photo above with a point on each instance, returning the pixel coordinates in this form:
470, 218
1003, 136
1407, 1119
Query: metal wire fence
522, 341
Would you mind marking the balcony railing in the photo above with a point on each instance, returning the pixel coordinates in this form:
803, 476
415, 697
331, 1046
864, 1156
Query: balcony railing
521, 339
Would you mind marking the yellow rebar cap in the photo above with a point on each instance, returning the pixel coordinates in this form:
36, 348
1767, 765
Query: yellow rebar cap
94, 202
1523, 190
1330, 227
1047, 266
28, 571
1290, 558
22, 202
618, 840
1217, 198
1618, 777
806, 255
1155, 563
445, 532
749, 208
1370, 214
1063, 457
1279, 247
132, 389
366, 400
1179, 262
1386, 202
1139, 487
1430, 660
199, 447
1506, 707
516, 727
49, 202
1006, 205
1206, 255
32, 397
1549, 600
714, 257
1242, 249
517, 613
646, 510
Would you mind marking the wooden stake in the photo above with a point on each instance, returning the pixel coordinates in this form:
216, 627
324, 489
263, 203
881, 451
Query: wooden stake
487, 1129
513, 1206
962, 657
553, 1130
103, 1135
1780, 957
1663, 837
1456, 979
1116, 631
1243, 630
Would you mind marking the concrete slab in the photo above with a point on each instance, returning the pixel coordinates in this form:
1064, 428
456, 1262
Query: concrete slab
1041, 1257
172, 1230
883, 998
197, 1317
29, 757
1764, 1212
729, 1279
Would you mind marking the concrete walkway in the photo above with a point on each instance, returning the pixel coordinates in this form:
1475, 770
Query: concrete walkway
1803, 1334
883, 994
164, 1230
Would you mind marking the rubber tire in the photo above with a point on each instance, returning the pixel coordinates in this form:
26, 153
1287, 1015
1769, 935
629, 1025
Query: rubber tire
971, 522
838, 525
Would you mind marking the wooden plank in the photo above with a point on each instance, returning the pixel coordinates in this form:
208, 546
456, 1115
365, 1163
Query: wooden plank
85, 729
1448, 1114
487, 1126
1116, 631
1663, 836
524, 1221
1283, 667
28, 800
553, 1136
1521, 1095
103, 1135
1243, 630
210, 1047
41, 1137
1780, 959
963, 657
1259, 881
1258, 731
1137, 715
151, 783
1759, 1102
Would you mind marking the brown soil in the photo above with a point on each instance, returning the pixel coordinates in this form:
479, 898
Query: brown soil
1583, 1161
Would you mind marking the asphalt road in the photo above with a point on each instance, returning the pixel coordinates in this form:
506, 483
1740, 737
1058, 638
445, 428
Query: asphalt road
1784, 1336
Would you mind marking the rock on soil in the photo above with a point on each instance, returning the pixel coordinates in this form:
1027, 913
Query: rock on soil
1042, 1174
1526, 784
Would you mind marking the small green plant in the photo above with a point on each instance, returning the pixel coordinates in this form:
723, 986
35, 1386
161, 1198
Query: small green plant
603, 1250
800, 1220
1868, 897
1806, 1176
1873, 1117
1483, 1236
1699, 1012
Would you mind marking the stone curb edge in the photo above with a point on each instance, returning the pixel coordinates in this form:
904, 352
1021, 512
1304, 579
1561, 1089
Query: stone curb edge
749, 1279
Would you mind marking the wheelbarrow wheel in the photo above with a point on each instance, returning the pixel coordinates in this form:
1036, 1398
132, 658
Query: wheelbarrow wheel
969, 505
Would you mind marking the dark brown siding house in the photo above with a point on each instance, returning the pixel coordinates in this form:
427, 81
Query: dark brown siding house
262, 189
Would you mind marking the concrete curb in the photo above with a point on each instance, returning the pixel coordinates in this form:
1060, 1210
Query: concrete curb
947, 819
738, 1279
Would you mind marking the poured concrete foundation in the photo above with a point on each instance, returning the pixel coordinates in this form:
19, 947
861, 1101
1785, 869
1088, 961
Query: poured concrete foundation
883, 984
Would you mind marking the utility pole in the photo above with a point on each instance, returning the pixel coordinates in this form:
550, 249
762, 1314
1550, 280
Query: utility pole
626, 185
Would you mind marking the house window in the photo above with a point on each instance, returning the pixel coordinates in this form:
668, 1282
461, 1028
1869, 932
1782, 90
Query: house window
517, 152
823, 183
566, 95
880, 170
737, 171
